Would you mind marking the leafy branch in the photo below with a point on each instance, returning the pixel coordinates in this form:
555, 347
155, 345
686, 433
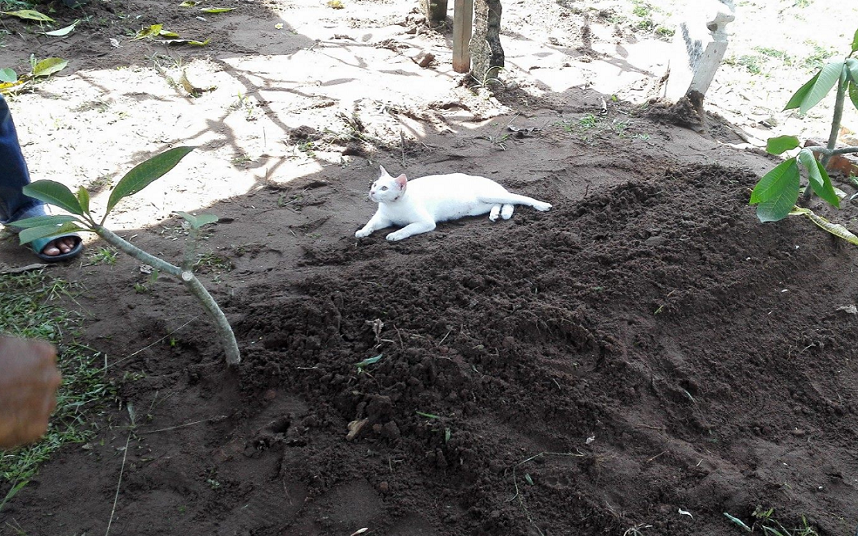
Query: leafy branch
81, 219
777, 192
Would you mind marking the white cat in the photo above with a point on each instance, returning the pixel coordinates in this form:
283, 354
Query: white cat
418, 205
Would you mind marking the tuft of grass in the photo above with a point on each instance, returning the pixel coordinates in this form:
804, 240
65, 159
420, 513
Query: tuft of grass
104, 255
764, 519
14, 5
212, 262
752, 64
30, 308
774, 53
818, 56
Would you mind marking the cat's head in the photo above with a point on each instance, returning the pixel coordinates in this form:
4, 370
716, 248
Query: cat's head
387, 189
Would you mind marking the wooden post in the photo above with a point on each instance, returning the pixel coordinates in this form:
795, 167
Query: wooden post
463, 20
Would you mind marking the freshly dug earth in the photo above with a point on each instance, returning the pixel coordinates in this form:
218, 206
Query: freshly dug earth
641, 359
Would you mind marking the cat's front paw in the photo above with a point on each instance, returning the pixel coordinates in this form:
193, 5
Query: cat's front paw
393, 237
542, 207
360, 233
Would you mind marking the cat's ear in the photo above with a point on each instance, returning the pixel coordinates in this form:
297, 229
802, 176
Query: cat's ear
401, 181
384, 172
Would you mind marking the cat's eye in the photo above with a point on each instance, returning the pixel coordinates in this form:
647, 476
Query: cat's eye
384, 188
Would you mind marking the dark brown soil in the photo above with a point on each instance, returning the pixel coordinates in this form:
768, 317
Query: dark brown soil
641, 359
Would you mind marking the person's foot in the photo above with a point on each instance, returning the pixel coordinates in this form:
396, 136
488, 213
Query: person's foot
57, 248
60, 246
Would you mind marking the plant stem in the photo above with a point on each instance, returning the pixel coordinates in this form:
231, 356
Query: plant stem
123, 245
230, 346
835, 129
831, 152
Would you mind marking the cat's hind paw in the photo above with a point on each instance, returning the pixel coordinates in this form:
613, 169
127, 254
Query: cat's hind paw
493, 213
394, 236
506, 211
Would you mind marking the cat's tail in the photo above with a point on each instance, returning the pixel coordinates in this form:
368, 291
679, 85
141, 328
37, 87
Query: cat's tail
515, 199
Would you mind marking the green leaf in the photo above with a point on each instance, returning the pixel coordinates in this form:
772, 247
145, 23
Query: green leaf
49, 66
781, 144
828, 76
369, 361
217, 9
149, 32
771, 182
62, 32
145, 173
186, 42
855, 42
819, 180
205, 219
83, 199
834, 228
797, 98
190, 218
852, 69
28, 14
41, 221
198, 221
8, 75
428, 415
34, 233
54, 193
852, 90
739, 522
167, 33
777, 192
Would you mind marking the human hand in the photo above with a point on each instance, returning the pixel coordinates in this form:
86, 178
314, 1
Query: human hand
28, 383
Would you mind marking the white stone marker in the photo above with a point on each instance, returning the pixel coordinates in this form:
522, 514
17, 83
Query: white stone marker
698, 48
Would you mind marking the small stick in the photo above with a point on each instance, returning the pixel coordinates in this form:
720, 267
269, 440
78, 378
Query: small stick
184, 425
118, 484
402, 146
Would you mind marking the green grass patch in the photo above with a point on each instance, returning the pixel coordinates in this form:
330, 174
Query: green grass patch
15, 5
30, 307
818, 56
752, 64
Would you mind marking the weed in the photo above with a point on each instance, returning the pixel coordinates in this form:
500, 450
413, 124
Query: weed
776, 54
241, 160
140, 288
764, 519
335, 4
641, 10
664, 31
212, 262
818, 56
752, 64
28, 309
12, 5
244, 102
588, 122
104, 255
307, 148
